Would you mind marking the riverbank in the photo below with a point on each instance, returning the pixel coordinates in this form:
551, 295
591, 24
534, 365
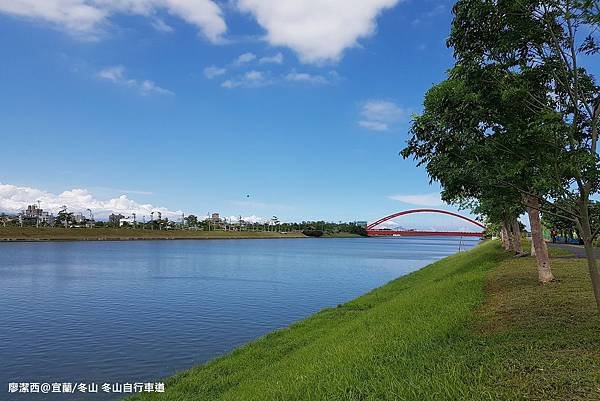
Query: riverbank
474, 326
340, 235
126, 234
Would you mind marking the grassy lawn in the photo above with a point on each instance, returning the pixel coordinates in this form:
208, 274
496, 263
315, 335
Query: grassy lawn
32, 233
545, 339
474, 326
559, 252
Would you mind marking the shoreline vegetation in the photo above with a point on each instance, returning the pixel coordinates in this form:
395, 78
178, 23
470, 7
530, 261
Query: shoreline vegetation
475, 325
32, 234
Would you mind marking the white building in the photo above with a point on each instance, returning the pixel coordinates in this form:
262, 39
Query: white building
126, 220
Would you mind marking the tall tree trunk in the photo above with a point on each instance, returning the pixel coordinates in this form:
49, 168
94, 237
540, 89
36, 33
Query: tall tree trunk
504, 237
537, 239
510, 243
517, 247
586, 235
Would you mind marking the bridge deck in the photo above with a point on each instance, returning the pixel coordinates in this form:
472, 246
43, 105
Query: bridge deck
408, 233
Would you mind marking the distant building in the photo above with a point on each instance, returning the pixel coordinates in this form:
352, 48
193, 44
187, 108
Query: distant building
115, 219
126, 220
78, 218
216, 218
32, 211
362, 224
34, 214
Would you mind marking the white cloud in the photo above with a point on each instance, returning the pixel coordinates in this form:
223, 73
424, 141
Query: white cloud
162, 26
204, 14
76, 16
257, 79
306, 78
374, 125
433, 199
318, 30
230, 84
13, 199
390, 224
251, 79
254, 75
382, 110
116, 75
214, 71
276, 59
148, 87
87, 18
245, 58
379, 115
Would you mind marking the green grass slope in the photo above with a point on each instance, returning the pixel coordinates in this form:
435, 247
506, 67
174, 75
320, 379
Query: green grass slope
474, 326
408, 340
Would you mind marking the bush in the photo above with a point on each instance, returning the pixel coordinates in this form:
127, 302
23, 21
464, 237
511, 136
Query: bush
312, 233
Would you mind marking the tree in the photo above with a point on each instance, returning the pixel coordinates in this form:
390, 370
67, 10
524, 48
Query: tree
4, 219
191, 220
549, 38
64, 218
312, 232
467, 121
566, 226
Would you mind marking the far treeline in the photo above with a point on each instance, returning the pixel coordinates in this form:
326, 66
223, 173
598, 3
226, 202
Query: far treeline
309, 228
514, 127
192, 222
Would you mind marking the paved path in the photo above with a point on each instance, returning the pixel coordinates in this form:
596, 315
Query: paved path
578, 250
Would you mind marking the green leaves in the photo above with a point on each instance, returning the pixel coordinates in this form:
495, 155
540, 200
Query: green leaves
517, 113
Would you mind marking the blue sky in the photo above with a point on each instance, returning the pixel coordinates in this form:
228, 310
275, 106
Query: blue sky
191, 105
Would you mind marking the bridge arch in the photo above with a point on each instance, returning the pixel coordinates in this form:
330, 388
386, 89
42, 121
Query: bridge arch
393, 216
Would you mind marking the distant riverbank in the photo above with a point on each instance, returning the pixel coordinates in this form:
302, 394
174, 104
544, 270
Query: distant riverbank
17, 234
125, 234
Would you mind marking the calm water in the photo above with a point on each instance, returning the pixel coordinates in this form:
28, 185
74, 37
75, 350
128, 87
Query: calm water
137, 311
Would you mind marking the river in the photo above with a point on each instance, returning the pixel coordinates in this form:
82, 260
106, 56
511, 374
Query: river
107, 312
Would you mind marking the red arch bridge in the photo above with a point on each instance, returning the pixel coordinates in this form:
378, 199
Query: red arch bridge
372, 229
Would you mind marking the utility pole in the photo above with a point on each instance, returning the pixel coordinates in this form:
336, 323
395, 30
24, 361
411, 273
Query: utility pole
37, 215
91, 218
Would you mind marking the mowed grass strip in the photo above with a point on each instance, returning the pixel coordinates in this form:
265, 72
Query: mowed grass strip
544, 341
474, 326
